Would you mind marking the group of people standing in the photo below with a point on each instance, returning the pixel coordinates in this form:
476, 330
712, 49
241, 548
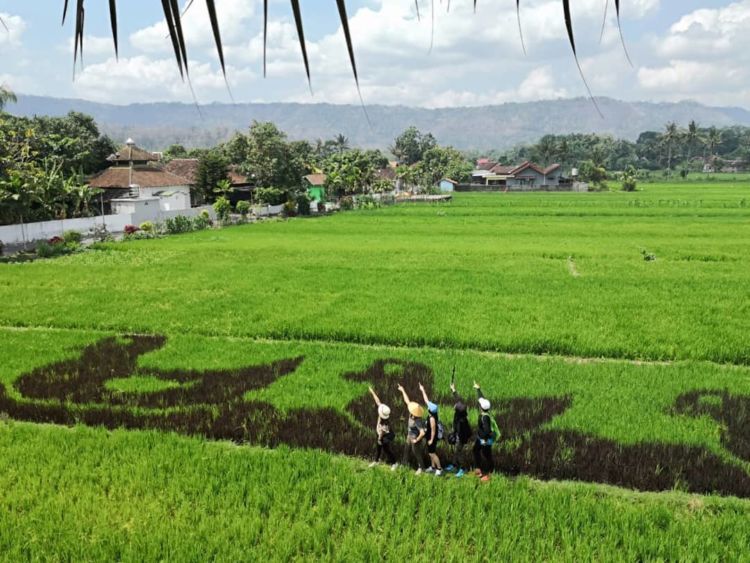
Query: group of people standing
424, 434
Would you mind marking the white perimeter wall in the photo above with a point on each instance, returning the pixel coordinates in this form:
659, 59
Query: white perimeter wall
14, 234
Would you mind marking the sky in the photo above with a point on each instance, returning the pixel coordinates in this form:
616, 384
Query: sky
680, 50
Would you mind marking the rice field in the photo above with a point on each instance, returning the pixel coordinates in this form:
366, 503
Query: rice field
204, 396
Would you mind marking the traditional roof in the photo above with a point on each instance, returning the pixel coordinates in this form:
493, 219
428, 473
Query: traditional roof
485, 164
501, 169
188, 169
316, 179
528, 164
144, 176
185, 167
449, 180
134, 153
387, 173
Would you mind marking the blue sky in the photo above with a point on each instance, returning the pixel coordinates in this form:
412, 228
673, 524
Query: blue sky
686, 49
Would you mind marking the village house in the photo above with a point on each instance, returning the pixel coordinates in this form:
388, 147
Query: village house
135, 181
314, 185
242, 186
525, 176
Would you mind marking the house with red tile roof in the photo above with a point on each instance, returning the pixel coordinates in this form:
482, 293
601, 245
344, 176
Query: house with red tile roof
524, 176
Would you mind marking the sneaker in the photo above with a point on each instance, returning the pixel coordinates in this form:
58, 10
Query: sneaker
460, 473
373, 464
394, 467
450, 468
430, 470
485, 478
418, 472
438, 472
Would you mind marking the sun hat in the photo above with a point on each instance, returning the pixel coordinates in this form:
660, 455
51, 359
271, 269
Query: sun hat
384, 411
432, 407
416, 410
484, 404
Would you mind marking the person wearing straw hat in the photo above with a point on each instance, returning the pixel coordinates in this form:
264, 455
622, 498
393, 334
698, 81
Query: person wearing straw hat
434, 433
487, 434
415, 432
384, 433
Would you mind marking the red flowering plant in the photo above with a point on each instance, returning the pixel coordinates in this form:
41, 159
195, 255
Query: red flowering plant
131, 229
56, 240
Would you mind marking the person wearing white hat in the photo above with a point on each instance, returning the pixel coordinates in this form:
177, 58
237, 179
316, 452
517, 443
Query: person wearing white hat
384, 433
415, 432
487, 434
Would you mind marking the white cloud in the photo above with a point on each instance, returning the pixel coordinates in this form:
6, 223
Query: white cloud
11, 37
707, 56
142, 79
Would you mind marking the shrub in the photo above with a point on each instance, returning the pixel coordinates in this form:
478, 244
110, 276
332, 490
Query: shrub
131, 230
270, 196
243, 208
368, 202
147, 227
2, 248
101, 234
290, 209
178, 225
72, 237
54, 247
222, 208
303, 204
346, 203
648, 256
202, 221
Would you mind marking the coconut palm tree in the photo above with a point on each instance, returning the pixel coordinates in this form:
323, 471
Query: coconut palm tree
669, 138
691, 137
6, 96
713, 139
341, 142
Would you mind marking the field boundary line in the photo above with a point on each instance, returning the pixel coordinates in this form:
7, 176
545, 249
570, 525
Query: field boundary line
378, 346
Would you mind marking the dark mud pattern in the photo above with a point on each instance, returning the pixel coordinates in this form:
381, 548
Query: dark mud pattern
211, 404
732, 412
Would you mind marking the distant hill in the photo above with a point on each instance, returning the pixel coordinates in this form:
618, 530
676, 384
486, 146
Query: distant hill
157, 125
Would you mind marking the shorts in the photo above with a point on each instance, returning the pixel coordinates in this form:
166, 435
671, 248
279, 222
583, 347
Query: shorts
432, 448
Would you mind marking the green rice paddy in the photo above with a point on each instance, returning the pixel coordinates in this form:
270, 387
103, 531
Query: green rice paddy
538, 296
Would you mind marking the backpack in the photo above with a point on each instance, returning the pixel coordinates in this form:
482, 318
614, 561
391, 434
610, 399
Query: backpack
495, 429
440, 430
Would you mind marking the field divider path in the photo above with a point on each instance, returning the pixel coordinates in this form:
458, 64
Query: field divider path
385, 346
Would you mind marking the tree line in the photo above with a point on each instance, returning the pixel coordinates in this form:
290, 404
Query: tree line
674, 149
43, 165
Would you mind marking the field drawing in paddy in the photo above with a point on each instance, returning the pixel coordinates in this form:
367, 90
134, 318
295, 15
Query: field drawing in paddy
602, 368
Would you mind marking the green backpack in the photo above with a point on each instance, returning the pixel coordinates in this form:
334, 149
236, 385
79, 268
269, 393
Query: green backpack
495, 430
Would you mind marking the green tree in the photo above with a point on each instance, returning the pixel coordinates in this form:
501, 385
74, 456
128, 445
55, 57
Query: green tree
212, 169
6, 96
410, 146
669, 138
341, 142
175, 151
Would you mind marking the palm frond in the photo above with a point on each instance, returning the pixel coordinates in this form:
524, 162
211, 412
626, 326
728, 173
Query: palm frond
604, 20
622, 37
113, 23
301, 37
265, 34
520, 29
571, 39
217, 34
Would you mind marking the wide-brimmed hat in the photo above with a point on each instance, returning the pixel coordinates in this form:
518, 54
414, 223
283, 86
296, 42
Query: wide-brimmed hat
384, 411
416, 410
484, 404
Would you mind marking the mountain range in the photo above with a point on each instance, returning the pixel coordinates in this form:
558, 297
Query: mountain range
157, 125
